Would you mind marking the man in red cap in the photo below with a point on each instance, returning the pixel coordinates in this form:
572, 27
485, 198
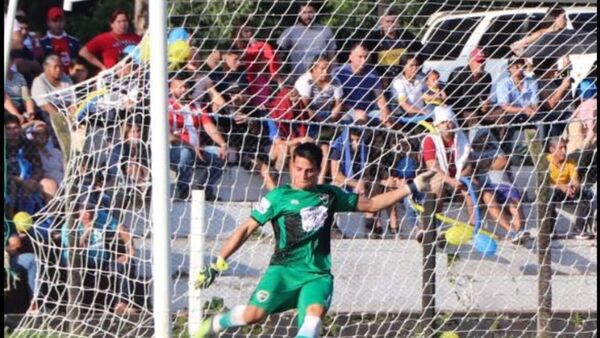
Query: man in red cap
57, 41
469, 88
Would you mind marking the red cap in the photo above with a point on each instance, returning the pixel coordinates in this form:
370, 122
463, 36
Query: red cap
55, 13
477, 55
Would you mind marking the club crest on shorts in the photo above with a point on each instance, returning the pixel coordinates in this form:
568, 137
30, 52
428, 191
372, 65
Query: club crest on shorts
324, 198
262, 296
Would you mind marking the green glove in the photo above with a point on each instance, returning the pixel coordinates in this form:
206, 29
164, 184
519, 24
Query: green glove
208, 274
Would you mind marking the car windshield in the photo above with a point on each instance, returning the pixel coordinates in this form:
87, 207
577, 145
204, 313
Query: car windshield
584, 22
449, 38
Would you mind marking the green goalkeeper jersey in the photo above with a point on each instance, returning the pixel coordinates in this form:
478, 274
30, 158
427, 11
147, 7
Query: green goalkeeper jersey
302, 221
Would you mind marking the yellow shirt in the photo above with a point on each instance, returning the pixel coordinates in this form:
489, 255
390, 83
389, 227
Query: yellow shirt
563, 173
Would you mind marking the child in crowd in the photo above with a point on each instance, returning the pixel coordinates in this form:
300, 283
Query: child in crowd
434, 95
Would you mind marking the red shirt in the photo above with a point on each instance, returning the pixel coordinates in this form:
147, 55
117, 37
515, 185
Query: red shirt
186, 121
429, 152
109, 46
282, 108
260, 57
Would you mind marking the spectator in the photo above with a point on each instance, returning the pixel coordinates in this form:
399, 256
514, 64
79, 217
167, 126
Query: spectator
104, 49
517, 96
306, 40
27, 186
409, 86
350, 170
51, 80
186, 120
229, 74
469, 89
567, 186
447, 152
108, 247
486, 155
555, 21
30, 40
204, 89
554, 95
22, 57
388, 43
404, 169
321, 95
362, 88
57, 41
260, 62
17, 99
434, 95
582, 125
78, 70
25, 261
52, 160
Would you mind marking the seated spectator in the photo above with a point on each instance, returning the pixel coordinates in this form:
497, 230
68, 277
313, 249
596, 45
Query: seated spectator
469, 90
25, 261
517, 96
322, 97
51, 80
30, 39
286, 129
350, 170
78, 70
567, 186
104, 49
363, 97
229, 74
435, 94
17, 99
108, 247
582, 124
186, 120
52, 160
57, 41
204, 88
555, 21
388, 43
260, 62
306, 40
27, 187
486, 155
409, 86
554, 95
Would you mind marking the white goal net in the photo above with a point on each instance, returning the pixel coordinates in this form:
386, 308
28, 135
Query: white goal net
498, 95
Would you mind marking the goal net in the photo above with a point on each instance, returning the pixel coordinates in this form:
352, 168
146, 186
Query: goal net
384, 88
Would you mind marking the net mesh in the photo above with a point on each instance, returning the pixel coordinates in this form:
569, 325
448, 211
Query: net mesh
248, 83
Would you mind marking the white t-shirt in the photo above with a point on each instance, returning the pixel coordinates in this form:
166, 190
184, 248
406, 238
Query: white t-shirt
41, 88
410, 91
321, 99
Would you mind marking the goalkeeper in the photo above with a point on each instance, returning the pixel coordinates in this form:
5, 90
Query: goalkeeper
299, 274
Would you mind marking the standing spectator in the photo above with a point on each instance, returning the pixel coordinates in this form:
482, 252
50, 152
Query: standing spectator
103, 50
57, 41
409, 86
51, 80
554, 95
554, 22
306, 40
388, 43
17, 99
260, 61
186, 120
30, 40
567, 186
229, 74
362, 88
22, 57
582, 134
517, 96
469, 89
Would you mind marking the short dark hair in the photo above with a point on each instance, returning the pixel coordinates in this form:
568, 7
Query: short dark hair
116, 13
311, 152
553, 142
319, 58
407, 57
10, 119
359, 44
391, 11
306, 3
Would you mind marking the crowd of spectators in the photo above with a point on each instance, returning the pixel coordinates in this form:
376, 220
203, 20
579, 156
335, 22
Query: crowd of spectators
252, 101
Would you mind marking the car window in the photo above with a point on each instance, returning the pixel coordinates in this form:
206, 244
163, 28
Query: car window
506, 29
449, 38
584, 22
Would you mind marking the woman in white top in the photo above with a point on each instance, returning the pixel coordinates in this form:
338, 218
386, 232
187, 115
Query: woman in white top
409, 86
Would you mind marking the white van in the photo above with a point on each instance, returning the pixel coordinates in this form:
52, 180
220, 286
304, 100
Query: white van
450, 37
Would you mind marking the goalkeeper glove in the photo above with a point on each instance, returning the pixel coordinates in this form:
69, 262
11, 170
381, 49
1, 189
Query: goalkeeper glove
208, 274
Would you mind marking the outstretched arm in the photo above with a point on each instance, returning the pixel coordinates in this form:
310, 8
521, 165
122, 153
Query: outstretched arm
240, 236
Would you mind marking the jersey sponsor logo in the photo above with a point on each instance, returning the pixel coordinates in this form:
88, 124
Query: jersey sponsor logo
325, 199
262, 296
263, 205
313, 218
294, 202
